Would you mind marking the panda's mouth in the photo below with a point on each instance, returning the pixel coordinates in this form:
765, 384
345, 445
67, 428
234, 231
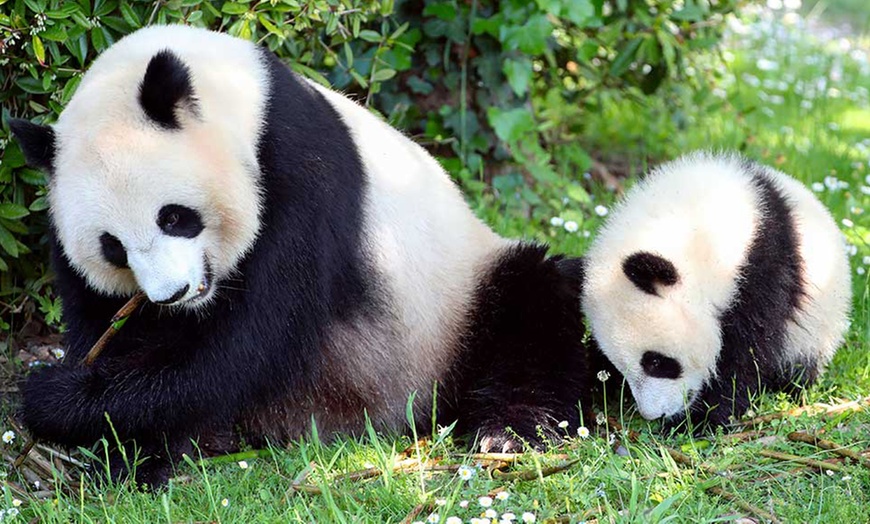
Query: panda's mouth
205, 285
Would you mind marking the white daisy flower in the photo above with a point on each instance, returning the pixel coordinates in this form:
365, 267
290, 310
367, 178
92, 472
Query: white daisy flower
860, 270
465, 472
557, 221
848, 223
866, 261
529, 517
8, 436
58, 353
225, 502
509, 517
818, 187
490, 513
243, 464
440, 502
454, 520
16, 502
563, 424
485, 502
433, 518
583, 432
502, 495
601, 210
463, 504
571, 226
603, 375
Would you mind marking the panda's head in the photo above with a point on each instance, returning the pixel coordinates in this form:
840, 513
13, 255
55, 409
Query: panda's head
663, 338
153, 176
660, 274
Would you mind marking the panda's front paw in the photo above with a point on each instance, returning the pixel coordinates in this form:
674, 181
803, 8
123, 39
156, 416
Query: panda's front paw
500, 442
51, 403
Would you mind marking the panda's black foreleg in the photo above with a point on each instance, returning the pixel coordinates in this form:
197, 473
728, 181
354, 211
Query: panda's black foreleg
524, 370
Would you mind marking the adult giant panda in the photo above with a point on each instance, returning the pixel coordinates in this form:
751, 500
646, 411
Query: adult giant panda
714, 278
303, 260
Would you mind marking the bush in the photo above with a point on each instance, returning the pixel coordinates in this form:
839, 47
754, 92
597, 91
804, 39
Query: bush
497, 90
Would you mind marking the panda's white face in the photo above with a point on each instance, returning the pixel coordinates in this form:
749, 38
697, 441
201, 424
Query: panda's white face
662, 271
161, 193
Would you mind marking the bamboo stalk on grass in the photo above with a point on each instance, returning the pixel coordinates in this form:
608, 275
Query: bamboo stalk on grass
833, 447
788, 457
814, 409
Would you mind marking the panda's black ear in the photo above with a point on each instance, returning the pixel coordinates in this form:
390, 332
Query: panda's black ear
646, 270
166, 88
36, 141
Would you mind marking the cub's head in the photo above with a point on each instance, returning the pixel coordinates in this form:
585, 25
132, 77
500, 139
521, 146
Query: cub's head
657, 331
153, 175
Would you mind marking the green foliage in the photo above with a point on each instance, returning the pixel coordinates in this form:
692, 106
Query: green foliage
499, 90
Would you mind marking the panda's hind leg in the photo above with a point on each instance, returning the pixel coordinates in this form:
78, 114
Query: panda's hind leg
524, 365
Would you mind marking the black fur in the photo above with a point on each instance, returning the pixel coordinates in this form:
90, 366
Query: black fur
657, 365
37, 143
646, 270
754, 325
170, 375
113, 250
180, 221
525, 363
166, 86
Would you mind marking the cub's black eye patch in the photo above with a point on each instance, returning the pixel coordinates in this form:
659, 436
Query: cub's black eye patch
113, 250
180, 221
657, 365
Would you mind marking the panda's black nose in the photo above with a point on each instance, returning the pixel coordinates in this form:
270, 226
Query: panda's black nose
174, 298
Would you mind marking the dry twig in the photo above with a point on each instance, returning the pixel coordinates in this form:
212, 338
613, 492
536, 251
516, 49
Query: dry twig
532, 474
833, 447
814, 409
788, 457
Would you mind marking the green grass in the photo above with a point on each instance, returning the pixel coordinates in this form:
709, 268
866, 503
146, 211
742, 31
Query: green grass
642, 483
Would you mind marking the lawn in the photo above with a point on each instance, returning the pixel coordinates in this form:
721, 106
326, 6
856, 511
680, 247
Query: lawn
781, 96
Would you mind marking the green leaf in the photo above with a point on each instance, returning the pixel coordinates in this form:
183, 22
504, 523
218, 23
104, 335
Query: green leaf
530, 38
370, 36
578, 194
7, 242
625, 57
512, 124
519, 74
13, 211
30, 176
581, 12
382, 75
97, 38
130, 15
38, 49
234, 8
39, 204
3, 266
444, 10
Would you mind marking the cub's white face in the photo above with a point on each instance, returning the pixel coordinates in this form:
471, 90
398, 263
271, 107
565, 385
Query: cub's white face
166, 207
662, 271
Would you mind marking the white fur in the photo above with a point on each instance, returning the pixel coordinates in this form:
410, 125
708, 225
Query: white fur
700, 212
115, 169
428, 244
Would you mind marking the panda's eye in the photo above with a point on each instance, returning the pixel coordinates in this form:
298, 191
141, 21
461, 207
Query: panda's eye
113, 250
180, 221
657, 365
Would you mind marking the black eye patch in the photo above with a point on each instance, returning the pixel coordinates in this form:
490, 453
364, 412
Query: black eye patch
180, 221
657, 365
113, 250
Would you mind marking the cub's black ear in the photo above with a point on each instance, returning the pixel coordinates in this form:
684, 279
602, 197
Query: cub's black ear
646, 270
166, 87
36, 141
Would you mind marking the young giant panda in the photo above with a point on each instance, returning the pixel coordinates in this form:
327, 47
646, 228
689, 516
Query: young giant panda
714, 278
303, 261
